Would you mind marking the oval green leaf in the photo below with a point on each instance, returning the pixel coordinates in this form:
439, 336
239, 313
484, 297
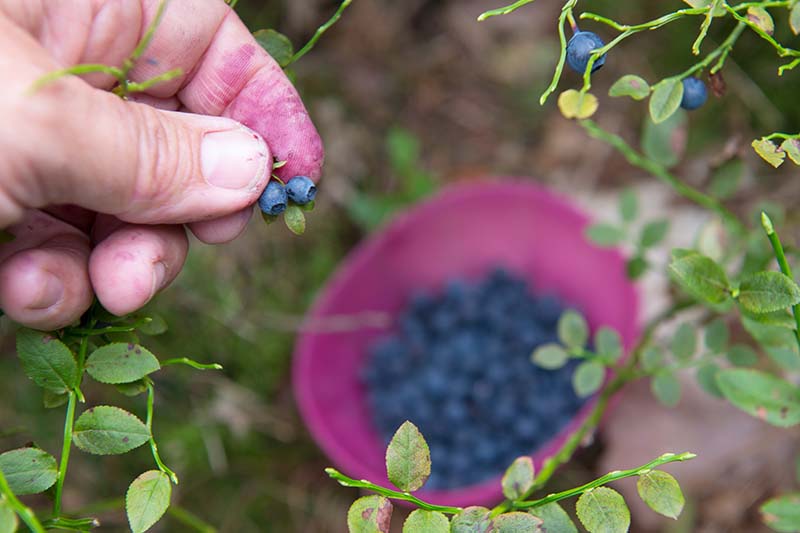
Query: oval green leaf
421, 521
28, 470
605, 235
147, 500
472, 520
717, 335
794, 20
574, 104
653, 233
665, 142
517, 522
792, 146
684, 342
661, 492
47, 360
108, 430
121, 363
608, 343
588, 378
666, 388
603, 510
550, 356
370, 514
554, 518
573, 331
295, 219
769, 152
276, 44
701, 277
630, 85
782, 513
761, 19
765, 292
761, 395
408, 458
707, 379
742, 355
8, 518
518, 478
628, 205
666, 99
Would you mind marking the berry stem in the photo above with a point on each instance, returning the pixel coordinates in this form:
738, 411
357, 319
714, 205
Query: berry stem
69, 420
149, 423
572, 23
320, 31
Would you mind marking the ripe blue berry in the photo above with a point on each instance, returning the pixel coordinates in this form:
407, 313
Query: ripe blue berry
580, 48
273, 199
694, 93
301, 190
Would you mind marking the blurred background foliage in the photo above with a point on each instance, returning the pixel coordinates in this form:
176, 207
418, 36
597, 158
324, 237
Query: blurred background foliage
408, 96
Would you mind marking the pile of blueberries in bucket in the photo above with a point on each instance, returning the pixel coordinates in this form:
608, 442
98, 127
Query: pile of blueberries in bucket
459, 368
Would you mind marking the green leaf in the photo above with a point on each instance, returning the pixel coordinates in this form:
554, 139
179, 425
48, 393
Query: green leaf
8, 518
717, 335
588, 378
666, 99
550, 356
718, 11
574, 104
309, 206
603, 510
51, 399
147, 500
701, 277
652, 358
472, 520
518, 478
121, 363
726, 178
630, 85
769, 151
684, 342
605, 235
269, 219
408, 459
276, 44
636, 266
403, 149
653, 233
370, 514
792, 146
573, 331
666, 388
665, 142
794, 19
47, 360
107, 430
761, 395
517, 522
134, 388
707, 379
421, 521
765, 292
786, 358
28, 470
742, 355
628, 205
661, 492
295, 219
155, 326
608, 343
782, 513
761, 18
555, 519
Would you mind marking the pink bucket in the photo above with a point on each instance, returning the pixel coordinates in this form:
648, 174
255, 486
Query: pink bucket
464, 231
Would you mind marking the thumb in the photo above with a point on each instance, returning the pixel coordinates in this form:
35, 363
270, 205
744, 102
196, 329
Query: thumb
140, 164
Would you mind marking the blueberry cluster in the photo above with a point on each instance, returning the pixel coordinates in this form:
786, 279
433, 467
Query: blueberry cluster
459, 368
300, 190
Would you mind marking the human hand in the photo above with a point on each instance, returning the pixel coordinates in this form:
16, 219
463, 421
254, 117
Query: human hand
95, 189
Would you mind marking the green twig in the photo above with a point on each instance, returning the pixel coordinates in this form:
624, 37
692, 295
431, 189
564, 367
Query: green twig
148, 36
782, 50
562, 19
190, 519
155, 80
704, 27
69, 420
320, 31
71, 524
662, 173
23, 511
504, 10
778, 135
775, 241
75, 70
389, 493
149, 424
191, 363
608, 478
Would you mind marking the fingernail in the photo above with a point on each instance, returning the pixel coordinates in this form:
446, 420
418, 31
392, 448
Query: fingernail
159, 277
51, 291
233, 159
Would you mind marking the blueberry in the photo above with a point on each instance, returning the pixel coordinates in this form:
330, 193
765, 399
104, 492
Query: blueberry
580, 48
273, 199
694, 93
301, 190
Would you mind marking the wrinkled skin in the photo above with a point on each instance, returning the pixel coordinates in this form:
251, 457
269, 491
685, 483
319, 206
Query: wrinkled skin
98, 191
